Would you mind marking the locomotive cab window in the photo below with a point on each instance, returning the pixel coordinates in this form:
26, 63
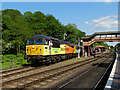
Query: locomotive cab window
56, 45
30, 42
46, 42
39, 41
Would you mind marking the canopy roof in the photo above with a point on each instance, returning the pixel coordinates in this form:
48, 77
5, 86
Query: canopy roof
99, 46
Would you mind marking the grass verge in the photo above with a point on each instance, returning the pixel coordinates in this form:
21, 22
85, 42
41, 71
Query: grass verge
12, 61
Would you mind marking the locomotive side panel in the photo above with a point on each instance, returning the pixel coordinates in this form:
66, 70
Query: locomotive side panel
55, 51
62, 49
46, 50
68, 49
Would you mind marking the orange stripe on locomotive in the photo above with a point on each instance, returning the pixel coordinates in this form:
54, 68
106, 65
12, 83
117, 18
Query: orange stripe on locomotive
68, 49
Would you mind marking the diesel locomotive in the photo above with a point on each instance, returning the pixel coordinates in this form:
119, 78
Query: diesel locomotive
41, 48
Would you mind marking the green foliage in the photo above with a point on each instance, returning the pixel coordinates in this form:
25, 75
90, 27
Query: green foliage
101, 43
17, 28
15, 31
73, 33
118, 44
10, 61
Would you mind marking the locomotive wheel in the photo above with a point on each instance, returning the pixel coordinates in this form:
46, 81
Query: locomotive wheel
35, 63
53, 60
57, 59
68, 56
47, 63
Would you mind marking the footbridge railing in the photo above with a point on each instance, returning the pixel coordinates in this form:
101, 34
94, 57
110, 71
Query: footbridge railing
101, 39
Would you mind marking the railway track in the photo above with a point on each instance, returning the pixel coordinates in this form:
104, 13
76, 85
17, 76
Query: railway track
30, 80
103, 80
7, 73
82, 76
20, 71
14, 71
11, 72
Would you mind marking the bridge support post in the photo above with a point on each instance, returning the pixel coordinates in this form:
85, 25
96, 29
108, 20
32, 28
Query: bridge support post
88, 50
100, 50
91, 48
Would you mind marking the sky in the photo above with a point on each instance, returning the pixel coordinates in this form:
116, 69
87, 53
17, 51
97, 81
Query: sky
90, 17
60, 0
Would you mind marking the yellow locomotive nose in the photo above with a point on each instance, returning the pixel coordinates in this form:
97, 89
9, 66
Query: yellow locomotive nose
34, 50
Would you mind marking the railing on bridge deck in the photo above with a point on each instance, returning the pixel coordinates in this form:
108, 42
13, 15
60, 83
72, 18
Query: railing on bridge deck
101, 39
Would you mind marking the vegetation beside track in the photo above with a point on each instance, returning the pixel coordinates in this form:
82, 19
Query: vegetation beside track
12, 61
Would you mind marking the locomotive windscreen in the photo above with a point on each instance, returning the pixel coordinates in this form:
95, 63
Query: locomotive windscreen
35, 42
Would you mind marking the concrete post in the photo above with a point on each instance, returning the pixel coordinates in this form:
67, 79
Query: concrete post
79, 48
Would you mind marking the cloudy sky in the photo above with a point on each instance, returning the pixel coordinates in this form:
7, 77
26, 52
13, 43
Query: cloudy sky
90, 17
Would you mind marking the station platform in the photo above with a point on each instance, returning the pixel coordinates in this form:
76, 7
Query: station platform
113, 82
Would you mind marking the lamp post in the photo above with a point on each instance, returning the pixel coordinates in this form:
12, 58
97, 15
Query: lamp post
65, 35
79, 41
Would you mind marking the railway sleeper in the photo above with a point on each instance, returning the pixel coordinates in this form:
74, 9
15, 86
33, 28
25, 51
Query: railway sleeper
56, 73
34, 81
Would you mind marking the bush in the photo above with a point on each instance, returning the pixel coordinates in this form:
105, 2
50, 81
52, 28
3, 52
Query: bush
11, 60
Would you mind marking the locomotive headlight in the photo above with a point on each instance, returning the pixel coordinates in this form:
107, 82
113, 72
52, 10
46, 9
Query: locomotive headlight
33, 47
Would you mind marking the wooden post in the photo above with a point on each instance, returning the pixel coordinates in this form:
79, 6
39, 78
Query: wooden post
88, 50
83, 51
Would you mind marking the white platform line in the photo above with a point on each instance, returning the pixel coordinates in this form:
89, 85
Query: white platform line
110, 79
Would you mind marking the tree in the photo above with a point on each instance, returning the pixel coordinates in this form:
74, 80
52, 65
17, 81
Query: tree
15, 29
73, 33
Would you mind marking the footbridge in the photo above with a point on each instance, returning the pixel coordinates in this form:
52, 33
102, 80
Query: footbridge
110, 36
